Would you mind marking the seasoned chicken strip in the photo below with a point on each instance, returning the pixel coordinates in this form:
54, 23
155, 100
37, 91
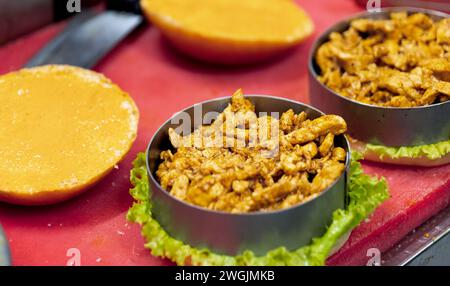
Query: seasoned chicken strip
245, 163
403, 61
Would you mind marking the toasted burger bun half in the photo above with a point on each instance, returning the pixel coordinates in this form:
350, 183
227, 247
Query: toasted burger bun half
230, 31
62, 129
370, 155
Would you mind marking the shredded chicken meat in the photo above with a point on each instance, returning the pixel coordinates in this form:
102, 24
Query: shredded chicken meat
403, 61
239, 164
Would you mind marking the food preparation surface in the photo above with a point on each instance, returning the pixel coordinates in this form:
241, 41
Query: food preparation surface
163, 82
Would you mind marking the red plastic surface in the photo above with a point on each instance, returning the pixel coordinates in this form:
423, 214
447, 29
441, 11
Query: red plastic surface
162, 82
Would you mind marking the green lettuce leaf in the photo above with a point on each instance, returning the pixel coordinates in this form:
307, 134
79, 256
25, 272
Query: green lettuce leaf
431, 151
365, 195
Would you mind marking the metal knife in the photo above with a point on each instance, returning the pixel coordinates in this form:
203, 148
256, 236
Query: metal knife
4, 250
89, 36
18, 18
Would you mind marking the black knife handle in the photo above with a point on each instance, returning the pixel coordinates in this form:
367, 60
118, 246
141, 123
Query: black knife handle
132, 6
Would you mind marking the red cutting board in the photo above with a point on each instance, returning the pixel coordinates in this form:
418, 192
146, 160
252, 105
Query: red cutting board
162, 82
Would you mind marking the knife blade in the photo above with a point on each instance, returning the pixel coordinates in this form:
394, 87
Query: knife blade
4, 250
87, 38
